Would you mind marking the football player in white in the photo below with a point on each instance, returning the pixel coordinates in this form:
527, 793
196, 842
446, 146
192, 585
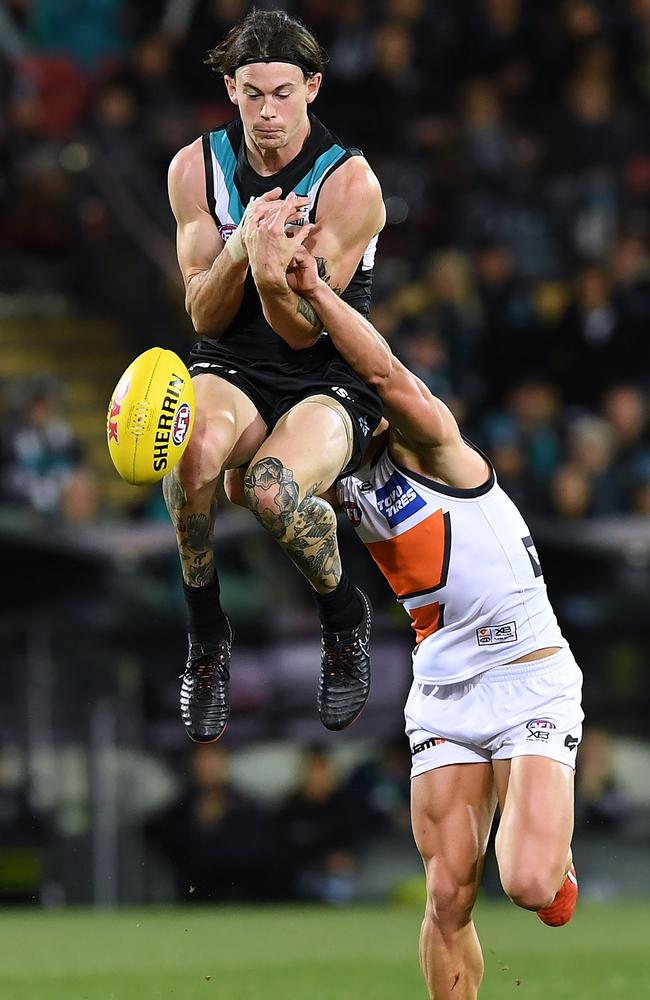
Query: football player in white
494, 712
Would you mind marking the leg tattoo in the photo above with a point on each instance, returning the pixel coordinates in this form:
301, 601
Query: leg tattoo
306, 530
269, 477
173, 493
193, 533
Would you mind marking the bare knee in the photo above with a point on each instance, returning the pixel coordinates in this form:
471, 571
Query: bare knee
528, 887
449, 901
272, 494
200, 466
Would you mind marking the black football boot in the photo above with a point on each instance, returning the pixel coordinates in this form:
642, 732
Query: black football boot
205, 689
345, 671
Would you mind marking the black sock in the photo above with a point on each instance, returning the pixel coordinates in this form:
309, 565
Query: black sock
341, 609
206, 622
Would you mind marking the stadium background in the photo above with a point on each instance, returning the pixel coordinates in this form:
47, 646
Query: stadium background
512, 141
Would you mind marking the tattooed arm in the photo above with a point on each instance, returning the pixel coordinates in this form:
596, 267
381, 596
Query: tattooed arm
350, 213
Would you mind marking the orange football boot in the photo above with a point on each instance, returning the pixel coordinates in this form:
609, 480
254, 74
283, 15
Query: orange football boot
560, 911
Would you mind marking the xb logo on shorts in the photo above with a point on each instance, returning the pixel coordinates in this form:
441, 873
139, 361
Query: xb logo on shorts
397, 500
539, 729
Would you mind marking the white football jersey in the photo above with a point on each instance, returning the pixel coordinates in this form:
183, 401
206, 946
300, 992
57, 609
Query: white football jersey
461, 561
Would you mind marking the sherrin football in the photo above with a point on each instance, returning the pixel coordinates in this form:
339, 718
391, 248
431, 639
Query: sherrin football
150, 417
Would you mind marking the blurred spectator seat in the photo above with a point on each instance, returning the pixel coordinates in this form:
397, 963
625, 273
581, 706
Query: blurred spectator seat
62, 89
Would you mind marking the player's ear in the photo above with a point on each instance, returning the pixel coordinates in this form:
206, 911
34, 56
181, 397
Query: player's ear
313, 86
231, 88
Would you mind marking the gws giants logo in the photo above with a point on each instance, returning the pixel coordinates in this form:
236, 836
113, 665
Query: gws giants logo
181, 424
493, 635
397, 500
540, 729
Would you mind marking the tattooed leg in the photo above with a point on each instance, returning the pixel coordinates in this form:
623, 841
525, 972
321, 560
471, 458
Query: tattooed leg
306, 529
194, 532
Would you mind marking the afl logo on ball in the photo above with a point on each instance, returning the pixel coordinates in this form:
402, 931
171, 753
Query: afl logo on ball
181, 424
226, 230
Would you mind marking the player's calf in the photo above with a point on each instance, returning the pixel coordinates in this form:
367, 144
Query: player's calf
450, 954
305, 528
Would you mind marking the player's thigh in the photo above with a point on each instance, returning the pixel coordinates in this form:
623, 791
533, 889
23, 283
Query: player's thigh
314, 441
227, 431
536, 825
452, 808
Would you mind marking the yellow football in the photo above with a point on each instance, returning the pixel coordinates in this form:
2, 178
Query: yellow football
150, 416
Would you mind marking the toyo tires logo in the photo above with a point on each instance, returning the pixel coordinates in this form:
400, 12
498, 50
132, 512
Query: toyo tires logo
181, 424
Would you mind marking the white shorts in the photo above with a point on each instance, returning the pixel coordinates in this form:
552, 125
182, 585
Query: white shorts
510, 711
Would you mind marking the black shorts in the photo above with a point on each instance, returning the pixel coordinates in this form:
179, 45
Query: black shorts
275, 387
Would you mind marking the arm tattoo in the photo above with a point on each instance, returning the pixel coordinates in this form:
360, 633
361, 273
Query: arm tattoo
321, 267
306, 530
309, 313
304, 308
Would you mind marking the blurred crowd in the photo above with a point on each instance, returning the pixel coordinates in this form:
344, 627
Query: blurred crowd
42, 466
221, 843
512, 141
331, 832
316, 841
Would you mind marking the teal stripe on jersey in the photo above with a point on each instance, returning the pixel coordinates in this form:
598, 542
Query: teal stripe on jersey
225, 157
320, 167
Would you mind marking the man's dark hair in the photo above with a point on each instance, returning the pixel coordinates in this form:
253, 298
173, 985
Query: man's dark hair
267, 36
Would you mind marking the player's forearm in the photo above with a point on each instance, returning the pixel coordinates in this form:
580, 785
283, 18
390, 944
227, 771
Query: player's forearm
408, 404
214, 297
356, 340
290, 316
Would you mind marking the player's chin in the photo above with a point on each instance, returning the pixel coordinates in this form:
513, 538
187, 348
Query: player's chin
271, 140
